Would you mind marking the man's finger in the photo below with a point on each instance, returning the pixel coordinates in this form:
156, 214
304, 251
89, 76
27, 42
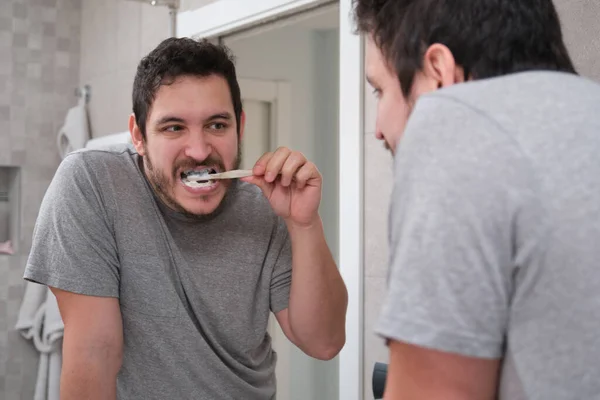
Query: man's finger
291, 166
305, 174
261, 165
276, 163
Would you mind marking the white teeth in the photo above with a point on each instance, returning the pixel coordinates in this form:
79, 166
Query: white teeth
190, 178
195, 184
197, 174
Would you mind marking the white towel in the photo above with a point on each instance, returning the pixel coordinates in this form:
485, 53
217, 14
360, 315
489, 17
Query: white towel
75, 132
105, 142
40, 321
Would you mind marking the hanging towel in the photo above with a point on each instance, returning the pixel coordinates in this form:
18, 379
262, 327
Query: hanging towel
40, 321
105, 142
75, 132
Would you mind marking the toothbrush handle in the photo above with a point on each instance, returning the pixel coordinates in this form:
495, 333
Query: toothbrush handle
233, 174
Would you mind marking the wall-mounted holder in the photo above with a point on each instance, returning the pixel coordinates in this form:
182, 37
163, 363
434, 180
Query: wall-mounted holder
84, 93
10, 207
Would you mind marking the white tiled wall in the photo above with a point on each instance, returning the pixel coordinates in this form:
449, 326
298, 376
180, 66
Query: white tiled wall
115, 35
581, 29
111, 47
39, 66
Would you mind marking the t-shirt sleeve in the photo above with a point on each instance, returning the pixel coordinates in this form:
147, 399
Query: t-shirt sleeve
454, 198
73, 246
281, 279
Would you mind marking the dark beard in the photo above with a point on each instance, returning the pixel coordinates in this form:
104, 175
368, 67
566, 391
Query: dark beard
162, 185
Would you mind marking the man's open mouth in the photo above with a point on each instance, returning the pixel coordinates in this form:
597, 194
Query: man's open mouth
198, 178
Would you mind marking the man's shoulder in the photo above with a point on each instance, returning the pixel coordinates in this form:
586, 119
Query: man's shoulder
98, 161
102, 154
91, 171
517, 92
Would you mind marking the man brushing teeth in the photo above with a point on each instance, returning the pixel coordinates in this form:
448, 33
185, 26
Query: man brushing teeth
166, 284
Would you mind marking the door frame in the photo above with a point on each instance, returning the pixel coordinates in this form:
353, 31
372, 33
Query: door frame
278, 95
351, 201
228, 16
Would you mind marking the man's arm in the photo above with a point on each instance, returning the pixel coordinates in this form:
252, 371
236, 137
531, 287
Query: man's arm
423, 374
92, 346
316, 317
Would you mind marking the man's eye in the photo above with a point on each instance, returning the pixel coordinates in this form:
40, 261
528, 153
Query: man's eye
217, 126
377, 92
173, 128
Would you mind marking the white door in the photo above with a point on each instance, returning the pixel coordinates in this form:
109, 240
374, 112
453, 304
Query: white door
259, 133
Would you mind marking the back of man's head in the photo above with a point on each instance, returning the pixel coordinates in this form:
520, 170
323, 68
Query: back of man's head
486, 37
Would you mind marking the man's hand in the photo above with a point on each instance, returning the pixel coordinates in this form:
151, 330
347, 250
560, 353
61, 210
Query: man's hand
291, 183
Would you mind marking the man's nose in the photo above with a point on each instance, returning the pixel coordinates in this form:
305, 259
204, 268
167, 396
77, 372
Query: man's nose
197, 147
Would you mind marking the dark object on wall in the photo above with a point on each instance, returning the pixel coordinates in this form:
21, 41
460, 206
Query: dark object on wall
379, 376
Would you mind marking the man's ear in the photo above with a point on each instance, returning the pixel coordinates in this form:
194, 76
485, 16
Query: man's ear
242, 124
136, 136
439, 67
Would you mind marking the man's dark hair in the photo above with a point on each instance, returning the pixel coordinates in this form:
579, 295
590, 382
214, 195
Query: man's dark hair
487, 37
176, 57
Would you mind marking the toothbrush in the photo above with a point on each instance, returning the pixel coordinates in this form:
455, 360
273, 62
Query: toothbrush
233, 174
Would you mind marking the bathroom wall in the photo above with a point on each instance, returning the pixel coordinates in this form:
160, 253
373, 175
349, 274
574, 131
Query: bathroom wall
39, 69
377, 186
581, 30
582, 35
115, 35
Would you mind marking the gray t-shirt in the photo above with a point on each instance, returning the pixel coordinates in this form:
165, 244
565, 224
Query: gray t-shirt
495, 231
195, 295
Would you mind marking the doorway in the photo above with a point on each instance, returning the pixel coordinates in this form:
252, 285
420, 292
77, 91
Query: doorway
257, 133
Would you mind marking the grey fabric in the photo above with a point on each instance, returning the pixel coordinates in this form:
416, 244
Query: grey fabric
195, 295
495, 231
